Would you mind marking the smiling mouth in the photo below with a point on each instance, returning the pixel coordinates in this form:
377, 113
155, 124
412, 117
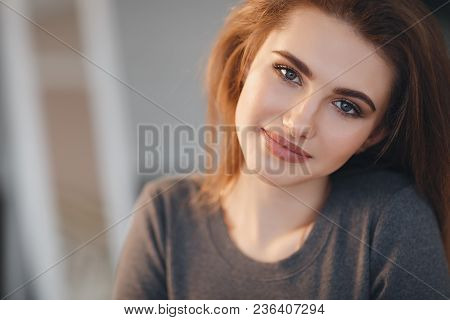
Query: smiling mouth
283, 148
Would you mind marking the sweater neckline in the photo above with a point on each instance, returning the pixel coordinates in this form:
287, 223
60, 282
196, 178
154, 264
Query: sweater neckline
244, 266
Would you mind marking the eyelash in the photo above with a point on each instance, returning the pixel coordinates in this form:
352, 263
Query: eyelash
279, 67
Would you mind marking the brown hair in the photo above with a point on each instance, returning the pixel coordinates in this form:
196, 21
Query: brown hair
418, 112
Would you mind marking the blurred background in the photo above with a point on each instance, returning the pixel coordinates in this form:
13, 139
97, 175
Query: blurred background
77, 78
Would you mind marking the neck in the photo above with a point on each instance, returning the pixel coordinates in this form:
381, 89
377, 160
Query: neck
266, 211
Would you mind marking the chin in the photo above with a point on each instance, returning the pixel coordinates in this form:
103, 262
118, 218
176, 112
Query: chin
279, 172
284, 180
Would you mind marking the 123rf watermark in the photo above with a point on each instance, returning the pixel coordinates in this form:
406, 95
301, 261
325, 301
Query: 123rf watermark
183, 149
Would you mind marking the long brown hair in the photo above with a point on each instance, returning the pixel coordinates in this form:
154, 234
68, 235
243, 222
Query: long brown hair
418, 113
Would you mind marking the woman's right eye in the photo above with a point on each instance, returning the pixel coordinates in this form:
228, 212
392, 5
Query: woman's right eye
287, 74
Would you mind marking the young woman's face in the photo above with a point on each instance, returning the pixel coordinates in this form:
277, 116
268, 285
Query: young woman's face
330, 111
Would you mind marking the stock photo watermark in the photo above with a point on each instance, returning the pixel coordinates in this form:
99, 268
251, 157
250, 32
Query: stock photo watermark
183, 149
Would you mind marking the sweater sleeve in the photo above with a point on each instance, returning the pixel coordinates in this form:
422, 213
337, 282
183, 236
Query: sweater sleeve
407, 254
141, 270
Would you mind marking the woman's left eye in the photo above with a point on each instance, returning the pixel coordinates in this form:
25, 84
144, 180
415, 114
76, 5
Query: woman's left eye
347, 108
288, 74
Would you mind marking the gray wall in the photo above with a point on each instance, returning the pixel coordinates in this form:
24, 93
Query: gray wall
164, 46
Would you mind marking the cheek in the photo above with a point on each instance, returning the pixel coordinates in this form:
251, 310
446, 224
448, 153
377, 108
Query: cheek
341, 137
263, 97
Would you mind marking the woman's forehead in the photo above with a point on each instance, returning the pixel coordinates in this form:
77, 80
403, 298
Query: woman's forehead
333, 51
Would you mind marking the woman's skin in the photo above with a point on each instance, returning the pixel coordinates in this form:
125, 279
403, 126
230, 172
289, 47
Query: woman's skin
265, 222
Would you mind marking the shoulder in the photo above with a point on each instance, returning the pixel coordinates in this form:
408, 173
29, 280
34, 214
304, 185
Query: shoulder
391, 199
388, 200
373, 181
393, 196
407, 205
407, 216
166, 196
169, 187
370, 190
408, 259
158, 203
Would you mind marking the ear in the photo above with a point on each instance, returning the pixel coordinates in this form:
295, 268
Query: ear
376, 136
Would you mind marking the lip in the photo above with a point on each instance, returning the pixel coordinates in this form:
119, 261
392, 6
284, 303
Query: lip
283, 148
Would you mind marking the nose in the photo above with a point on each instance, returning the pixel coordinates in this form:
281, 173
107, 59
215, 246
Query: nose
300, 120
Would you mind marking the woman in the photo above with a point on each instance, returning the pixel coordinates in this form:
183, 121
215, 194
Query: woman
334, 182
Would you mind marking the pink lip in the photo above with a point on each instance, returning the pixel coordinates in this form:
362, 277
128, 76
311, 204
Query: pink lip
283, 148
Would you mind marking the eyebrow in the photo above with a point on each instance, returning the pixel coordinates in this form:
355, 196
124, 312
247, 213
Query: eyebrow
300, 65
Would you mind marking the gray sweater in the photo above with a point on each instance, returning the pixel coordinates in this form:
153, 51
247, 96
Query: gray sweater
376, 238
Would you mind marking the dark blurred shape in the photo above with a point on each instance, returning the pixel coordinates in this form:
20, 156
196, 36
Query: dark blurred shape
433, 4
442, 14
